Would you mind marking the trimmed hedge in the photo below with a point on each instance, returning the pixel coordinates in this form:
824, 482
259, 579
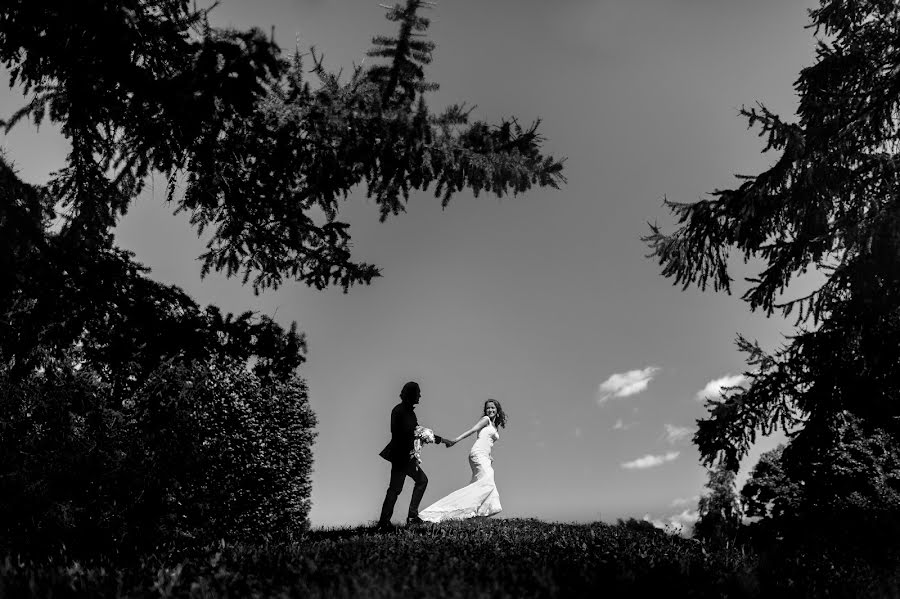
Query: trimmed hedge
202, 451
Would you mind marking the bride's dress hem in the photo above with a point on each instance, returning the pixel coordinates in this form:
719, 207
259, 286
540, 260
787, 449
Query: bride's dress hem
479, 497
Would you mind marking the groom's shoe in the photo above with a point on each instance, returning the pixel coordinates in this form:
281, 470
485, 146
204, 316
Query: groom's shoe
385, 527
414, 520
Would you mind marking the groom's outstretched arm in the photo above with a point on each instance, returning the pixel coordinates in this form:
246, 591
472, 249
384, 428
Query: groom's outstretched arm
438, 438
447, 442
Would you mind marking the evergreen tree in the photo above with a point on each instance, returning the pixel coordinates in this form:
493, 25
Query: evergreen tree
138, 85
829, 204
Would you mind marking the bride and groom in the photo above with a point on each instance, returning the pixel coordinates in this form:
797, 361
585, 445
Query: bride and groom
478, 498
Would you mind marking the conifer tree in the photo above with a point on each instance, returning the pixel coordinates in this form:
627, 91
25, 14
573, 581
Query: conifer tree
829, 203
144, 85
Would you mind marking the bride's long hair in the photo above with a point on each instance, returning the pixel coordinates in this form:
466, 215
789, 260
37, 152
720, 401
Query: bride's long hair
500, 418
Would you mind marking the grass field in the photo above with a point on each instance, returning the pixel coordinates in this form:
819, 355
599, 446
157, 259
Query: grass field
478, 558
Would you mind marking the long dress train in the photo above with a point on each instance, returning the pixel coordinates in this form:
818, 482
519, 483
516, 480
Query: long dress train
480, 496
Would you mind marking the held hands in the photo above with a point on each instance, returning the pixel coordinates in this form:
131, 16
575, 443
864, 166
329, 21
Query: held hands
448, 443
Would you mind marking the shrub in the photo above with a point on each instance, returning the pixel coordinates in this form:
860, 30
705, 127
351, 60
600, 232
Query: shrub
203, 450
231, 451
61, 467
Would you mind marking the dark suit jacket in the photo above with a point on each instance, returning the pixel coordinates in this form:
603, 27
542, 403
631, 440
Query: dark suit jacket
403, 428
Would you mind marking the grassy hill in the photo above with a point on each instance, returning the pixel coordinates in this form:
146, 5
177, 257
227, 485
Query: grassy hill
477, 558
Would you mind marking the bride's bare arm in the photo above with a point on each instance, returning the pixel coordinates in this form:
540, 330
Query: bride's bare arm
483, 422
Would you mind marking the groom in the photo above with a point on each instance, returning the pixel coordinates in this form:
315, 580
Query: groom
399, 453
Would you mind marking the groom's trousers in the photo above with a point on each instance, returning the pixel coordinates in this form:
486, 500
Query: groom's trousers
399, 472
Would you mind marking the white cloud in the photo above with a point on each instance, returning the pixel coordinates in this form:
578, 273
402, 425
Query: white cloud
621, 425
577, 432
713, 388
654, 521
674, 433
682, 523
623, 384
649, 461
686, 517
683, 501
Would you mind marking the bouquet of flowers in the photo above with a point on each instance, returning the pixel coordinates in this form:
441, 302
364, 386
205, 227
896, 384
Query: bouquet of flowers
421, 436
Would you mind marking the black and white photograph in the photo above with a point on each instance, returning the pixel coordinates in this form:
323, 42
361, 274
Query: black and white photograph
449, 298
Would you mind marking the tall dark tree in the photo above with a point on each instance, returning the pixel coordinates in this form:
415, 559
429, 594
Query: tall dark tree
829, 204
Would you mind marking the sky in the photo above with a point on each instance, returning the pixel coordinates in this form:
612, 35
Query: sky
545, 301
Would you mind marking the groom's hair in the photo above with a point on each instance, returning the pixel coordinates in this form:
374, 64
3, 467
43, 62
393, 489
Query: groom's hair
409, 389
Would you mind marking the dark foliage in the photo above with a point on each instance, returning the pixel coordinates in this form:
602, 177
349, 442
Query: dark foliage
636, 525
88, 431
202, 451
139, 85
232, 451
498, 558
60, 295
855, 464
829, 204
858, 471
769, 492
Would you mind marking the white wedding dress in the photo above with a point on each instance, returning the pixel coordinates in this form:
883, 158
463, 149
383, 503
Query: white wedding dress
479, 497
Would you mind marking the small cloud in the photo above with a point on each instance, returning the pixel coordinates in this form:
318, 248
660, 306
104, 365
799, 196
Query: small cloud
620, 425
687, 518
650, 461
683, 501
654, 521
623, 384
713, 388
682, 523
674, 433
577, 432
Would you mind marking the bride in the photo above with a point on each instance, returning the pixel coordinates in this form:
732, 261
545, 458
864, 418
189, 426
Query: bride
479, 497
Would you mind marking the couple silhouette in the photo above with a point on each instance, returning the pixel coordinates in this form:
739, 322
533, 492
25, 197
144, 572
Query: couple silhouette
478, 498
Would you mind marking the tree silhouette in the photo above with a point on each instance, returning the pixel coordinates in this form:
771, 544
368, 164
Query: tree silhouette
143, 85
827, 204
769, 492
719, 509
